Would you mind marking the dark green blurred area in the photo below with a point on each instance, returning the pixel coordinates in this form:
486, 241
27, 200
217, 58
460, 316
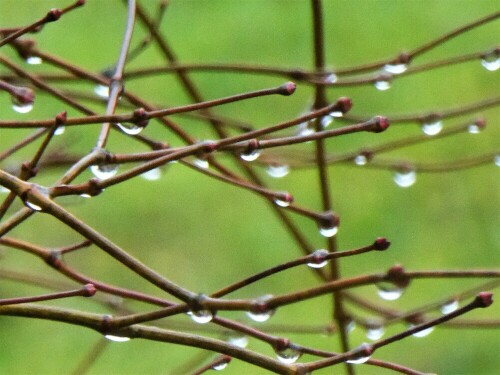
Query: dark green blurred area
203, 234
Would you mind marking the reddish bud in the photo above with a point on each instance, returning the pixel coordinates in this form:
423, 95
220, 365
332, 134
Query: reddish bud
480, 123
53, 15
381, 243
381, 123
61, 118
252, 145
209, 146
90, 290
343, 104
80, 3
23, 96
287, 89
484, 299
396, 275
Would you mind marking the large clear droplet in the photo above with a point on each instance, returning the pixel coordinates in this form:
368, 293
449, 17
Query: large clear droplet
449, 307
130, 128
497, 160
306, 129
261, 316
432, 128
152, 175
102, 91
22, 108
375, 331
240, 341
424, 332
201, 316
326, 121
491, 61
405, 178
201, 163
383, 85
221, 366
34, 60
60, 130
117, 338
32, 205
104, 171
288, 356
360, 358
278, 170
473, 129
254, 155
320, 261
360, 159
389, 291
331, 78
281, 203
395, 68
328, 231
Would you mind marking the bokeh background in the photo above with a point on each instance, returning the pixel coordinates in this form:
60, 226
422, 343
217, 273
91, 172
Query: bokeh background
203, 234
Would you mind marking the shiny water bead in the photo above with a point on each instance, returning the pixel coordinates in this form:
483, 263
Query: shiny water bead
432, 127
34, 60
449, 306
102, 91
289, 355
365, 351
261, 315
104, 171
389, 291
117, 338
319, 259
201, 316
278, 170
152, 175
395, 68
130, 128
405, 178
491, 60
251, 156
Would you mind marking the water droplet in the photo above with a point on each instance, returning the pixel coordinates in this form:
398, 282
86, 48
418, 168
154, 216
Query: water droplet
361, 358
102, 91
288, 356
278, 170
491, 61
383, 84
104, 171
405, 178
152, 175
375, 331
130, 128
201, 316
240, 342
60, 130
201, 163
432, 128
326, 121
350, 326
4, 190
306, 129
424, 332
84, 195
117, 338
473, 129
261, 316
319, 257
331, 78
395, 68
281, 203
250, 156
389, 291
22, 108
221, 366
328, 231
497, 160
449, 307
32, 205
34, 60
360, 159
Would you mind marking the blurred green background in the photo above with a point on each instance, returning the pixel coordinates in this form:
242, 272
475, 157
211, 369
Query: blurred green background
203, 234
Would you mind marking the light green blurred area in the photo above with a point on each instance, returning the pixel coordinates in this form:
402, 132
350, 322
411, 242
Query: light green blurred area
203, 234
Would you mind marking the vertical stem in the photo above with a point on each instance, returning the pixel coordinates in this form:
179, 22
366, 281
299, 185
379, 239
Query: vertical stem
320, 101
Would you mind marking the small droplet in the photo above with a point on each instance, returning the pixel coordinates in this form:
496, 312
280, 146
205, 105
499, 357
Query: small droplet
405, 178
326, 121
221, 366
130, 128
424, 332
350, 326
201, 316
281, 203
306, 129
32, 205
288, 356
328, 231
360, 159
375, 332
383, 85
449, 307
389, 291
278, 170
250, 156
152, 175
4, 190
491, 61
104, 171
201, 163
319, 255
84, 195
331, 78
60, 130
117, 338
261, 316
473, 129
432, 128
22, 108
395, 68
102, 91
497, 160
360, 358
241, 341
34, 60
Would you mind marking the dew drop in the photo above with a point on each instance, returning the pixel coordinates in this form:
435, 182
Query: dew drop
254, 155
32, 205
319, 257
152, 175
85, 195
375, 332
278, 170
104, 171
261, 316
405, 178
221, 366
383, 85
395, 68
331, 78
491, 61
281, 203
473, 129
34, 60
361, 358
102, 91
201, 163
130, 128
241, 341
4, 190
360, 159
350, 326
449, 307
328, 231
288, 356
201, 316
389, 291
326, 121
497, 160
424, 332
117, 338
60, 130
432, 128
306, 129
22, 108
